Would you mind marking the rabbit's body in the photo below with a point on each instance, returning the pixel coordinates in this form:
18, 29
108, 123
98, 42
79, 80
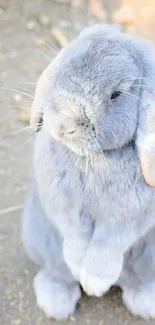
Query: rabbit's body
90, 208
107, 186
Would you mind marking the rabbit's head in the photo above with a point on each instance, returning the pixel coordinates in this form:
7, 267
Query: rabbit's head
99, 94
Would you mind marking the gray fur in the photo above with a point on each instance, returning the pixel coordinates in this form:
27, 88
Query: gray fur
90, 210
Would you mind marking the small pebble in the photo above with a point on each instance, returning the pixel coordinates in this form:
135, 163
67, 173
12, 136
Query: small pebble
72, 318
81, 303
40, 318
16, 321
2, 171
3, 237
30, 25
10, 298
4, 74
12, 303
101, 322
13, 55
2, 57
44, 20
1, 11
78, 26
26, 272
99, 306
21, 295
18, 98
38, 42
64, 23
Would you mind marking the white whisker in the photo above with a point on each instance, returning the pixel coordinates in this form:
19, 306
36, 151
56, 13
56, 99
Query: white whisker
129, 95
14, 133
18, 82
28, 90
20, 92
102, 154
56, 50
16, 106
38, 51
85, 178
29, 140
139, 86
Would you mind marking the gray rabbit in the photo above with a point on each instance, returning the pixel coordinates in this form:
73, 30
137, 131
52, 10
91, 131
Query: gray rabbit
90, 215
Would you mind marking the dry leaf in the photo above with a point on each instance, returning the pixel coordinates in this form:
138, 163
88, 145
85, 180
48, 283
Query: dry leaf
95, 9
140, 15
59, 36
124, 15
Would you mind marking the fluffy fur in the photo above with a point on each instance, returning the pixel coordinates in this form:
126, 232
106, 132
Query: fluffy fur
90, 215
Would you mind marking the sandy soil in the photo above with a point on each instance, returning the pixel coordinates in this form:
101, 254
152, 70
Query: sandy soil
24, 25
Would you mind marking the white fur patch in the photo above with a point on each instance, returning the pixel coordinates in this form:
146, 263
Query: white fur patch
94, 285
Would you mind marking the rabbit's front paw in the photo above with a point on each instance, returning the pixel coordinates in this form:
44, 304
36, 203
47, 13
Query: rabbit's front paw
98, 278
74, 251
55, 297
93, 285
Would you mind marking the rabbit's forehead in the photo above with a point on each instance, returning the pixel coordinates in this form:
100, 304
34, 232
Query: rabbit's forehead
100, 48
101, 58
93, 67
102, 69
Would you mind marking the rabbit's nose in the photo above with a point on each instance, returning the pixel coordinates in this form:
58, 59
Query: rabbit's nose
61, 131
63, 127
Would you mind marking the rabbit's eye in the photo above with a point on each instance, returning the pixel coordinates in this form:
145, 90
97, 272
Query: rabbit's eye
115, 94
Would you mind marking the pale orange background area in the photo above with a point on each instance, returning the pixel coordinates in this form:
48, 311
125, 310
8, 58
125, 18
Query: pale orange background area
138, 17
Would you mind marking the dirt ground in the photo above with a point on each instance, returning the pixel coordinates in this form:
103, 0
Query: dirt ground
25, 26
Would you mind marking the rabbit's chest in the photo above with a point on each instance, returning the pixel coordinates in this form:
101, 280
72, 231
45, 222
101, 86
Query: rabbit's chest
101, 188
113, 188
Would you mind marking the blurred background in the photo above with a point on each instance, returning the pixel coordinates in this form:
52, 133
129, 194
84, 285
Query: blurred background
31, 34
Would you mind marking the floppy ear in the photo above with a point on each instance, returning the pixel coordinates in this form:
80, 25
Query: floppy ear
43, 89
36, 119
145, 138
